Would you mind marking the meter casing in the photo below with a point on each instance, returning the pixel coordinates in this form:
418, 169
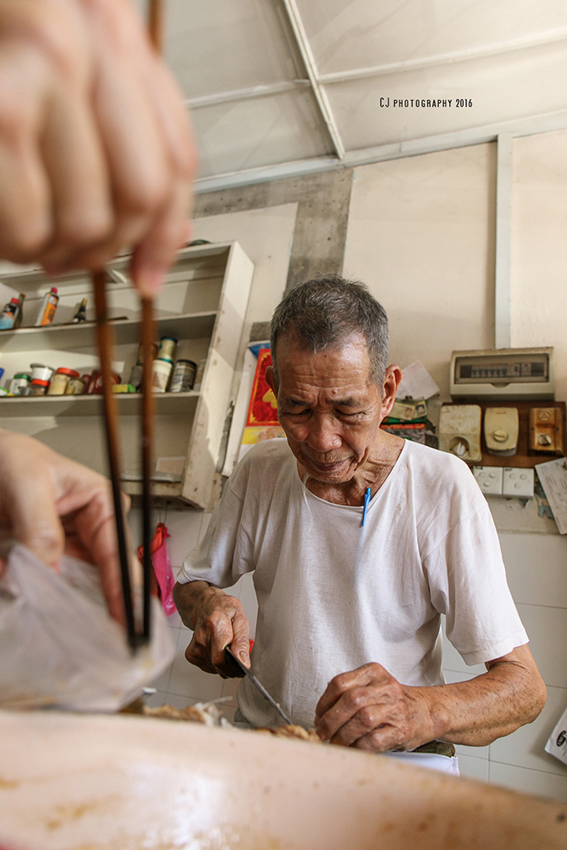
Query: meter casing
503, 373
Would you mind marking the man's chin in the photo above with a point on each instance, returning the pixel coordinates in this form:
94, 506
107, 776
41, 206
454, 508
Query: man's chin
336, 473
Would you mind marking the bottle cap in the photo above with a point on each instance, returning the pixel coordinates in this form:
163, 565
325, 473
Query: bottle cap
54, 289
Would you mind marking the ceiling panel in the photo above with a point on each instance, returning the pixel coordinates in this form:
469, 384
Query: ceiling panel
515, 86
241, 69
253, 133
363, 33
226, 44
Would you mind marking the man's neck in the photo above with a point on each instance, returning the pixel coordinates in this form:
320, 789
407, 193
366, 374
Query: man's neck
373, 473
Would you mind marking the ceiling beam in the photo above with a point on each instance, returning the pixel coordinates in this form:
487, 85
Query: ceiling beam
246, 94
414, 147
485, 51
304, 48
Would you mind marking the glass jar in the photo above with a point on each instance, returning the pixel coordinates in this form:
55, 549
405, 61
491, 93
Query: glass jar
39, 387
60, 381
75, 386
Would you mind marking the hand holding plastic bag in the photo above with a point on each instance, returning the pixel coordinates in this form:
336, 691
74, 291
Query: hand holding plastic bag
58, 645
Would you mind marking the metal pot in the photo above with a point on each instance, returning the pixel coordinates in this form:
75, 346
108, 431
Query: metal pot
129, 782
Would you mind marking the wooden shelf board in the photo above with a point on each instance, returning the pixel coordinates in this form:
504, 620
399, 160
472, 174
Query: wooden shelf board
68, 337
91, 405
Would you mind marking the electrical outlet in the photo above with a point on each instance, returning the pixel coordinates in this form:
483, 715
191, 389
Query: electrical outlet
518, 482
489, 479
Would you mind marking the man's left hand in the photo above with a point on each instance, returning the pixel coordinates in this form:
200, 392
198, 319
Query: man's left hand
369, 709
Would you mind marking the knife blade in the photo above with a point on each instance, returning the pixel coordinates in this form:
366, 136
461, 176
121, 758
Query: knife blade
239, 670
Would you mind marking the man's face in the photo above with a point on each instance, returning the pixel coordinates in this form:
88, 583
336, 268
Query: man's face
329, 407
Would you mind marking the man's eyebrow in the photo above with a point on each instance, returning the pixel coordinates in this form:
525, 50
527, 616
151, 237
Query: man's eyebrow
348, 402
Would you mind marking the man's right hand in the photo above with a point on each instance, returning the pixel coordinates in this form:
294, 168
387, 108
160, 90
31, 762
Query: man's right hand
217, 620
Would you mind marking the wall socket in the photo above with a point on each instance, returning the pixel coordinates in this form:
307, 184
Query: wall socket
489, 479
518, 482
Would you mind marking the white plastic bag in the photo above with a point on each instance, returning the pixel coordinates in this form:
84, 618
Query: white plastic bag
58, 645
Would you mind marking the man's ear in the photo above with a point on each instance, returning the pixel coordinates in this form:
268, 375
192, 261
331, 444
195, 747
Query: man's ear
392, 380
271, 380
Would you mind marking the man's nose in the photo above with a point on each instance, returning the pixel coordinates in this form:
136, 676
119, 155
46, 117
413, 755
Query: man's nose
323, 434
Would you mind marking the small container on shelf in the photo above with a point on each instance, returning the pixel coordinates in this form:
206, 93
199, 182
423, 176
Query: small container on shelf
95, 381
160, 375
48, 308
167, 348
41, 372
19, 383
60, 381
183, 376
75, 386
81, 314
39, 387
123, 388
9, 314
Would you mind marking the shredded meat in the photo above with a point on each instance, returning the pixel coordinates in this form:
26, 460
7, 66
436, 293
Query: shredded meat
293, 732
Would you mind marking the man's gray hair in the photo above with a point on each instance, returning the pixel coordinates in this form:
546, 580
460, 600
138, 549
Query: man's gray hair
324, 312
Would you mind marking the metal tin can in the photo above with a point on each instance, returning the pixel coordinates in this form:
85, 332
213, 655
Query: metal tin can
167, 347
160, 375
183, 376
60, 380
136, 375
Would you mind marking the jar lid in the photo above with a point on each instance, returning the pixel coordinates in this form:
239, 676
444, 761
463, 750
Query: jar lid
39, 383
64, 371
192, 362
22, 375
172, 338
41, 366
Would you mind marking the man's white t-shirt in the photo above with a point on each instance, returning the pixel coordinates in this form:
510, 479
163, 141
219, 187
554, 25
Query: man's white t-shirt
333, 595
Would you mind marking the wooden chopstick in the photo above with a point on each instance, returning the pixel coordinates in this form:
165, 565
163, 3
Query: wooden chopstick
148, 336
105, 346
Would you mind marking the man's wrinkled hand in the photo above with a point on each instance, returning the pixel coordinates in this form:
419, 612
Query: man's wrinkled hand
218, 621
367, 708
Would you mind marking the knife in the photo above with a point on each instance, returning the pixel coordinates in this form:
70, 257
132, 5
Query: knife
238, 670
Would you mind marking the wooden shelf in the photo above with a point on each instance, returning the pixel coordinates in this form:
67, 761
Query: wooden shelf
126, 331
91, 405
202, 304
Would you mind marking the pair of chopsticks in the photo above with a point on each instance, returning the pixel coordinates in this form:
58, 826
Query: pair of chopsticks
136, 635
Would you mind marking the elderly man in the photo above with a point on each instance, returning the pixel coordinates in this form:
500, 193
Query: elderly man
350, 597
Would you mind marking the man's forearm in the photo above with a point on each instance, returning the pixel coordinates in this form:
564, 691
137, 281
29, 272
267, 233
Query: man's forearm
368, 708
477, 712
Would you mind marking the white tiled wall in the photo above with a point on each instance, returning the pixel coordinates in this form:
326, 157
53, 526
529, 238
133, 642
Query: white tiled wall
536, 566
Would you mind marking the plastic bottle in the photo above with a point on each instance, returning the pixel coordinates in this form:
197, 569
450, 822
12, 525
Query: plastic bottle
8, 316
20, 310
48, 308
81, 314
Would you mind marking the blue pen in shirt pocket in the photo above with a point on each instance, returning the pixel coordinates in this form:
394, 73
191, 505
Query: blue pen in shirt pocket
367, 497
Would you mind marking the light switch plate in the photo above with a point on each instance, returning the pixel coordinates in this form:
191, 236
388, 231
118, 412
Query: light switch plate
489, 479
518, 482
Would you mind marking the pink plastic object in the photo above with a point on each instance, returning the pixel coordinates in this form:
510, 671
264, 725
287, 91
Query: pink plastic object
162, 567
